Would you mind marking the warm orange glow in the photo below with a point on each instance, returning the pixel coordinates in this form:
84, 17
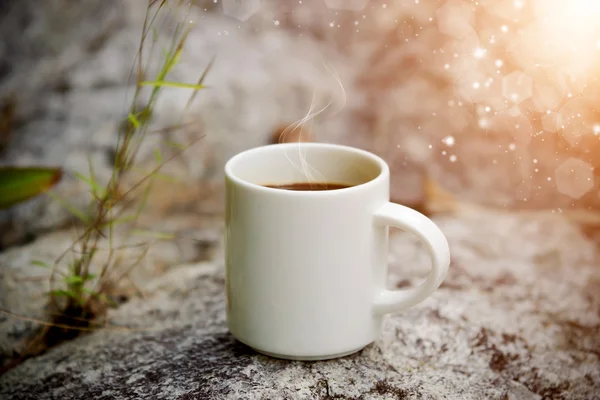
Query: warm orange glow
568, 33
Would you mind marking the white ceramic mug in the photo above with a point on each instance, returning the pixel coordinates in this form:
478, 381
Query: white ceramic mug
306, 270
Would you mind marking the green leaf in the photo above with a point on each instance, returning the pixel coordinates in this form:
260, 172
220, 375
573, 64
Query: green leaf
172, 84
74, 280
134, 121
39, 263
18, 184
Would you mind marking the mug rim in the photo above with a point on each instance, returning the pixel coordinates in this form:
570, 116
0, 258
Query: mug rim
383, 172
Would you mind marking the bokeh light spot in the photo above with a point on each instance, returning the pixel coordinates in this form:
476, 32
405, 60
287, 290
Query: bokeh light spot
549, 122
449, 141
577, 123
574, 178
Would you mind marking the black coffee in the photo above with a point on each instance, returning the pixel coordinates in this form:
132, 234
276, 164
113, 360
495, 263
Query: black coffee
308, 186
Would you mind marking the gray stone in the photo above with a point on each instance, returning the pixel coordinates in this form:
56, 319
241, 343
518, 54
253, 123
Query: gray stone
517, 318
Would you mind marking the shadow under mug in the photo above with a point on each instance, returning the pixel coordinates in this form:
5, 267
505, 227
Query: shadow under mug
306, 270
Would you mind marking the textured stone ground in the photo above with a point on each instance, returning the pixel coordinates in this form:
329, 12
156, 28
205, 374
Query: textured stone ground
517, 318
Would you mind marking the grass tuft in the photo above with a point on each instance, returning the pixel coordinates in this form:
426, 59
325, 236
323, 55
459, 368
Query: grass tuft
79, 298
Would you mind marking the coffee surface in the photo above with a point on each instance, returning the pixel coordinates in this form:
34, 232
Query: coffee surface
309, 186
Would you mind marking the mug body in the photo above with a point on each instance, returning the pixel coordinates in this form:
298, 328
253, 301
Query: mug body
302, 267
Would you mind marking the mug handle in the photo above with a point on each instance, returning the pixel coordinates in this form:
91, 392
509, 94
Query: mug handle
409, 220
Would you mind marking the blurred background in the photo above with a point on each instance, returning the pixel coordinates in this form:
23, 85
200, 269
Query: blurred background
495, 101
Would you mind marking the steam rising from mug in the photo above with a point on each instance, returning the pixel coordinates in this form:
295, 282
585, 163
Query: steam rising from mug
310, 173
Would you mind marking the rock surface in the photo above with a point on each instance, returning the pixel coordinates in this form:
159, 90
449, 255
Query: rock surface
140, 259
517, 318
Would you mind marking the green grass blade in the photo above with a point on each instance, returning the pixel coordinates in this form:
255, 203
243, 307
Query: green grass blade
144, 199
39, 263
200, 82
97, 190
174, 59
18, 184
